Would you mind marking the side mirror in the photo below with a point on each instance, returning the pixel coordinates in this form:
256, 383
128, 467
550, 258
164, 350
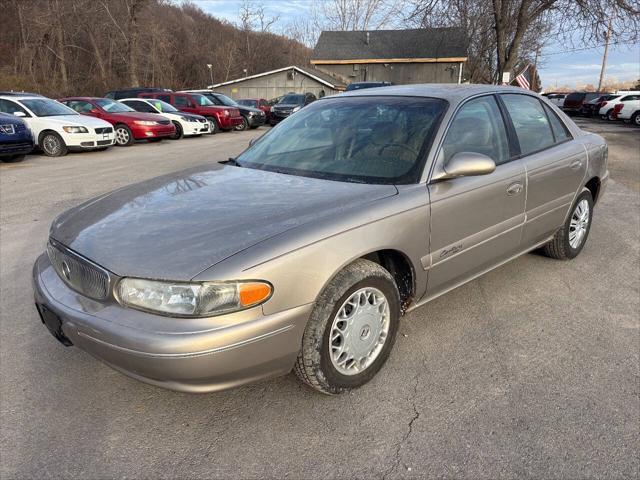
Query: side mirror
18, 113
466, 164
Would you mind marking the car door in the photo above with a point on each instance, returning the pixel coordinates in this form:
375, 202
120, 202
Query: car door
555, 163
476, 221
183, 103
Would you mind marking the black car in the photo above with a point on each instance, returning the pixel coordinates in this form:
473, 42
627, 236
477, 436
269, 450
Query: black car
132, 92
16, 139
361, 85
288, 104
574, 101
251, 117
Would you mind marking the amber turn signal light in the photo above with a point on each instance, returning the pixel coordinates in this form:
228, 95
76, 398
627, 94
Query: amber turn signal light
252, 293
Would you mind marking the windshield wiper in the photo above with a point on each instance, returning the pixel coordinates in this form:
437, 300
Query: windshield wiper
230, 161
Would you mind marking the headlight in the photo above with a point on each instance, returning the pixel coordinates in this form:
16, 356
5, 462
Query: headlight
147, 123
226, 113
75, 129
192, 299
295, 109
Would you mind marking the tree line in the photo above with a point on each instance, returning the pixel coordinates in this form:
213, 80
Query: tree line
86, 47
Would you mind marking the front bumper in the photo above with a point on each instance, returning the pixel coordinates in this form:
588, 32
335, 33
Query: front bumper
140, 132
190, 355
16, 148
229, 123
194, 128
256, 120
88, 141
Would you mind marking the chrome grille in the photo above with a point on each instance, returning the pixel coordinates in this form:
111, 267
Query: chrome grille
104, 130
78, 273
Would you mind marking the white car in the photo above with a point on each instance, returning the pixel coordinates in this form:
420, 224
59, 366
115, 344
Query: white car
187, 124
630, 112
556, 98
607, 110
56, 128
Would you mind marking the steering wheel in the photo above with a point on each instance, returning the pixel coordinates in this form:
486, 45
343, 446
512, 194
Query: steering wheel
401, 145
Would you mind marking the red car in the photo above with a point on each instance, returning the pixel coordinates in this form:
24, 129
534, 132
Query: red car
220, 117
260, 103
128, 124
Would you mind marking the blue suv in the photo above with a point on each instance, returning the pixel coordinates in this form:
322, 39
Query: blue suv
16, 139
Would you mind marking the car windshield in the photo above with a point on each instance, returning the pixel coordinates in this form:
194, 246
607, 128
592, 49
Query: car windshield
113, 107
163, 107
248, 103
292, 99
201, 100
44, 107
360, 139
226, 100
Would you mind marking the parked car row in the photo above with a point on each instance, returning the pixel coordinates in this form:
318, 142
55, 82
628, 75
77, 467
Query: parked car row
608, 106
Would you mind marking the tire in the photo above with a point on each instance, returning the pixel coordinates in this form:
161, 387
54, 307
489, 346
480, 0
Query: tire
179, 133
635, 119
316, 365
609, 115
561, 246
124, 137
13, 158
213, 126
243, 126
52, 144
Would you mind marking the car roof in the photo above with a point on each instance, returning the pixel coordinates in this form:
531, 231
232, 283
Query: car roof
86, 98
25, 97
449, 91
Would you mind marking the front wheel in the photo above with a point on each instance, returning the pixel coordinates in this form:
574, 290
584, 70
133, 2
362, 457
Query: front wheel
179, 134
568, 242
243, 126
213, 125
52, 144
124, 137
351, 330
609, 115
635, 119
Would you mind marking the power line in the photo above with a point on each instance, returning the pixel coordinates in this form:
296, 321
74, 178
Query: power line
587, 48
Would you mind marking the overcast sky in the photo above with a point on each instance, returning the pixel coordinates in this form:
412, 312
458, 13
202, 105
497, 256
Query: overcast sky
573, 69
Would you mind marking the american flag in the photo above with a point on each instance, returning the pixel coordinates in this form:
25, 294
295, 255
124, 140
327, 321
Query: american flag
523, 79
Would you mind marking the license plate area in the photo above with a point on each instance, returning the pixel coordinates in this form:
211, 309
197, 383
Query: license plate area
53, 324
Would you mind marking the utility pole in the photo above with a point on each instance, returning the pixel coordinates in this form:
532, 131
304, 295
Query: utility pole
604, 57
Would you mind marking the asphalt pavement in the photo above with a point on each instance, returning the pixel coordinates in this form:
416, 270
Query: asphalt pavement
531, 371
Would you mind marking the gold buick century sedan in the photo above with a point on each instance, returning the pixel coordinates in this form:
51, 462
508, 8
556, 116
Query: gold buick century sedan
304, 251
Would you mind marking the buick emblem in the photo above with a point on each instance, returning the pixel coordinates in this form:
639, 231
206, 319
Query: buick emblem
66, 271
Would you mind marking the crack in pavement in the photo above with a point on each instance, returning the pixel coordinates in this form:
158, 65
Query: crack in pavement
405, 437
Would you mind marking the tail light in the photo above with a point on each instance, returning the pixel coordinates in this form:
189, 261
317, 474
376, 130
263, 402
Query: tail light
616, 110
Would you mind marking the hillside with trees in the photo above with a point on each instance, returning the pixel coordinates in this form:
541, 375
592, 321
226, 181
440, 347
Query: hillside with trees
86, 47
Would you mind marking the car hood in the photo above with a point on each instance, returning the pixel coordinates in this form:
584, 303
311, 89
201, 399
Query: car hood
244, 108
175, 226
132, 116
70, 120
286, 105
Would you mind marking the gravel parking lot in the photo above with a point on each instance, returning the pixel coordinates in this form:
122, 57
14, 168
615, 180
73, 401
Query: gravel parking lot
531, 371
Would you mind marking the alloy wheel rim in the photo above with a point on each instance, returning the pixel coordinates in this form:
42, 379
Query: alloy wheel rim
637, 120
359, 331
212, 126
579, 224
122, 136
51, 145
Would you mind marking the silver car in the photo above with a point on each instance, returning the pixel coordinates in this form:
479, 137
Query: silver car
304, 251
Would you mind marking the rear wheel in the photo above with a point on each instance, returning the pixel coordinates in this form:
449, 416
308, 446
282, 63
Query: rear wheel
124, 137
52, 144
571, 238
610, 115
351, 330
635, 119
179, 134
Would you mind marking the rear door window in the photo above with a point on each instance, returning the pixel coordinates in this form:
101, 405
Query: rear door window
180, 101
560, 131
7, 106
530, 122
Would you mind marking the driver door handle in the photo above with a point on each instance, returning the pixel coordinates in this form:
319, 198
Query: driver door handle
514, 189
